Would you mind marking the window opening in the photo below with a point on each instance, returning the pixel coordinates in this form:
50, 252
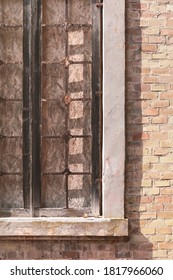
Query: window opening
62, 93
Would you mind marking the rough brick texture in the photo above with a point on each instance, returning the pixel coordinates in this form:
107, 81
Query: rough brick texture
149, 148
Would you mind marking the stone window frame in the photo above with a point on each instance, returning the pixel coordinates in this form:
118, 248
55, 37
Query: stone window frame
112, 221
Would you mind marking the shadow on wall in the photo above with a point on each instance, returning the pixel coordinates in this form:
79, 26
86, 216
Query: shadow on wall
135, 202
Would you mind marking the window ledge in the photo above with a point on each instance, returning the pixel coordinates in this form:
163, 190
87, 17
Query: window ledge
63, 227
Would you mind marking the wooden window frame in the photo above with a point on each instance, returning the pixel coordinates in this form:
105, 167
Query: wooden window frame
112, 221
31, 126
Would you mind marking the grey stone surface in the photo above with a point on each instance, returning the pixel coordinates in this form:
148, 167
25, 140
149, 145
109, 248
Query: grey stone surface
113, 108
63, 227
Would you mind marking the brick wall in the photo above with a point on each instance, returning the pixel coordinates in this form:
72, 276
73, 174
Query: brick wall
149, 142
149, 127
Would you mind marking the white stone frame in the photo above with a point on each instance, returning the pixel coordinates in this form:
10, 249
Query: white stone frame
113, 108
112, 223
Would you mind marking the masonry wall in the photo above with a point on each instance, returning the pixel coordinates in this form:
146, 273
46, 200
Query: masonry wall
149, 149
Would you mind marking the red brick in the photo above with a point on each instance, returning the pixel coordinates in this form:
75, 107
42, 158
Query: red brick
166, 95
163, 199
149, 48
139, 136
150, 112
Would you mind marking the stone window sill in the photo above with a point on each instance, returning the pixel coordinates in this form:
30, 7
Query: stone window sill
63, 227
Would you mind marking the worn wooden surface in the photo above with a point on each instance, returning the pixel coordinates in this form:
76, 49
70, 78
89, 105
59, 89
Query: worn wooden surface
65, 93
66, 104
11, 32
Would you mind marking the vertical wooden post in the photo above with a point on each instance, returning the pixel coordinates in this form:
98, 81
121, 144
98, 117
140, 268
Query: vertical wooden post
27, 105
96, 108
36, 93
31, 103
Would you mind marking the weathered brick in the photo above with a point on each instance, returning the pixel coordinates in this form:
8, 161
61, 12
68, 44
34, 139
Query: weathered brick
157, 8
168, 207
169, 222
155, 207
146, 199
141, 135
149, 47
151, 31
160, 254
156, 40
150, 159
163, 199
151, 191
164, 230
167, 175
160, 103
150, 112
149, 95
146, 183
162, 183
159, 71
157, 238
150, 79
161, 167
148, 230
167, 191
159, 87
159, 135
166, 246
159, 56
166, 111
148, 128
156, 223
160, 151
166, 159
165, 215
160, 119
148, 215
166, 31
70, 255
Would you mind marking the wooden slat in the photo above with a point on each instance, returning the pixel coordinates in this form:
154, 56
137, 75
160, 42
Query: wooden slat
36, 92
27, 104
46, 212
15, 212
96, 109
58, 212
31, 104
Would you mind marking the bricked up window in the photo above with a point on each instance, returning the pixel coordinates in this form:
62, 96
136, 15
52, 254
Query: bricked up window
50, 108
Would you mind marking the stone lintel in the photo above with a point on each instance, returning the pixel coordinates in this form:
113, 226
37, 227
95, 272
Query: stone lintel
63, 227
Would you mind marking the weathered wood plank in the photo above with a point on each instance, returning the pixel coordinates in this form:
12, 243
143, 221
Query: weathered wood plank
14, 212
27, 107
36, 93
96, 108
45, 212
56, 212
31, 104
